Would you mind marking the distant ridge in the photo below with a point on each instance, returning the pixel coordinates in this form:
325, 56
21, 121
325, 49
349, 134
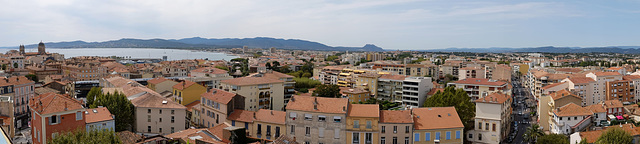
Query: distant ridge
548, 49
197, 42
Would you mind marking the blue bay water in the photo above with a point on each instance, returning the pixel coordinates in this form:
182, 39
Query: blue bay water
172, 54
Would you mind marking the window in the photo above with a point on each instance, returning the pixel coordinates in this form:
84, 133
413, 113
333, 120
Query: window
480, 125
172, 119
259, 129
494, 127
292, 115
470, 136
437, 136
54, 119
356, 138
308, 117
160, 111
416, 137
486, 127
78, 115
233, 123
395, 140
427, 136
148, 110
479, 136
277, 132
307, 131
148, 128
336, 133
369, 125
382, 129
356, 124
173, 111
159, 129
321, 132
368, 138
395, 129
458, 135
406, 129
160, 119
448, 135
321, 118
406, 140
293, 129
383, 140
337, 119
172, 130
268, 130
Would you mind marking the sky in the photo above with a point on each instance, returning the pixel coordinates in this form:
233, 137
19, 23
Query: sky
390, 24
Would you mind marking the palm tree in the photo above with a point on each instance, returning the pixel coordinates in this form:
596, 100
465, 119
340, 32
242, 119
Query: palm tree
532, 133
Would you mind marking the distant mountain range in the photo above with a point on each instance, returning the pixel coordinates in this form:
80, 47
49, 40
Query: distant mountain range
548, 49
197, 42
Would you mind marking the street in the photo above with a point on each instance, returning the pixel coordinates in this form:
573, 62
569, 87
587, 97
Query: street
23, 136
522, 100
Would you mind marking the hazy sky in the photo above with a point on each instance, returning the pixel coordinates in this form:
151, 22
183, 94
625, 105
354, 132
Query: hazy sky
391, 24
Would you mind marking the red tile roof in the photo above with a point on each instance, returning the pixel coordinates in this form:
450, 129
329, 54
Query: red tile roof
157, 80
631, 77
436, 118
218, 95
271, 116
183, 85
552, 85
572, 109
607, 73
209, 70
393, 77
497, 98
324, 105
581, 80
52, 103
242, 115
192, 105
434, 91
396, 116
251, 81
562, 94
612, 104
364, 110
98, 115
480, 81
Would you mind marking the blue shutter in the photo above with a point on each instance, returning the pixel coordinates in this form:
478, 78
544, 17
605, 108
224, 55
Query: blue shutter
233, 123
457, 134
427, 136
448, 135
416, 137
437, 136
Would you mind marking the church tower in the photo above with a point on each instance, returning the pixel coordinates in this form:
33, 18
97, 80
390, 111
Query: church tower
21, 49
41, 50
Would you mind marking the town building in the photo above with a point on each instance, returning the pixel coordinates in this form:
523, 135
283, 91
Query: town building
54, 114
478, 88
209, 77
395, 126
100, 119
472, 72
613, 107
570, 118
362, 123
242, 119
156, 115
621, 90
583, 87
355, 95
269, 124
368, 81
216, 105
549, 103
493, 119
161, 85
259, 92
187, 92
317, 119
414, 90
390, 87
437, 125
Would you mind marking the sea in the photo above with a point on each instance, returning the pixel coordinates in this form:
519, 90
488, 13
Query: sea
172, 54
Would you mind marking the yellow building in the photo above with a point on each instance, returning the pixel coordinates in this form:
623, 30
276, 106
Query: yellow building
436, 125
355, 94
269, 124
187, 91
362, 123
368, 81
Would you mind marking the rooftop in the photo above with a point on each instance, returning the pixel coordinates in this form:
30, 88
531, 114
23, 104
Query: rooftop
395, 116
364, 110
98, 115
218, 95
323, 105
436, 118
572, 109
480, 81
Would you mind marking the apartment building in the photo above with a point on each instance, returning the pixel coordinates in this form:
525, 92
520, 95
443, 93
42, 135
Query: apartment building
472, 72
84, 71
584, 88
161, 85
570, 118
395, 126
601, 79
209, 77
317, 119
549, 103
613, 107
100, 119
635, 85
259, 92
388, 66
414, 90
156, 115
426, 70
362, 123
48, 116
437, 125
329, 74
269, 124
621, 90
289, 84
390, 87
20, 89
493, 119
187, 92
368, 81
355, 94
478, 88
216, 105
242, 119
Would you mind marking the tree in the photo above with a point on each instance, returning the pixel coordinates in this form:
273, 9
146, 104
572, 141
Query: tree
118, 105
222, 68
93, 94
553, 139
614, 135
457, 98
81, 136
306, 75
332, 91
533, 133
15, 65
268, 65
32, 77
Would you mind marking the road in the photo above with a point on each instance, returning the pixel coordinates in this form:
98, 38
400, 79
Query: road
522, 100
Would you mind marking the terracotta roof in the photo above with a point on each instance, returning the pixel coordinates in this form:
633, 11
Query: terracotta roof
129, 137
553, 85
242, 115
218, 95
370, 75
581, 80
572, 109
209, 70
43, 90
497, 98
324, 105
52, 103
615, 68
393, 77
183, 85
352, 90
607, 73
204, 135
192, 105
434, 90
395, 116
364, 110
480, 81
561, 94
471, 68
596, 108
612, 104
98, 115
157, 80
251, 81
271, 116
155, 101
436, 118
572, 70
631, 77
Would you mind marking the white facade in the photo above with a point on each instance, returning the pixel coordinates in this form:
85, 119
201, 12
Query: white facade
415, 89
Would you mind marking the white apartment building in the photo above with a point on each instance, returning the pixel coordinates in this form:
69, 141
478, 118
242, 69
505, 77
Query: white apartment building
415, 89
